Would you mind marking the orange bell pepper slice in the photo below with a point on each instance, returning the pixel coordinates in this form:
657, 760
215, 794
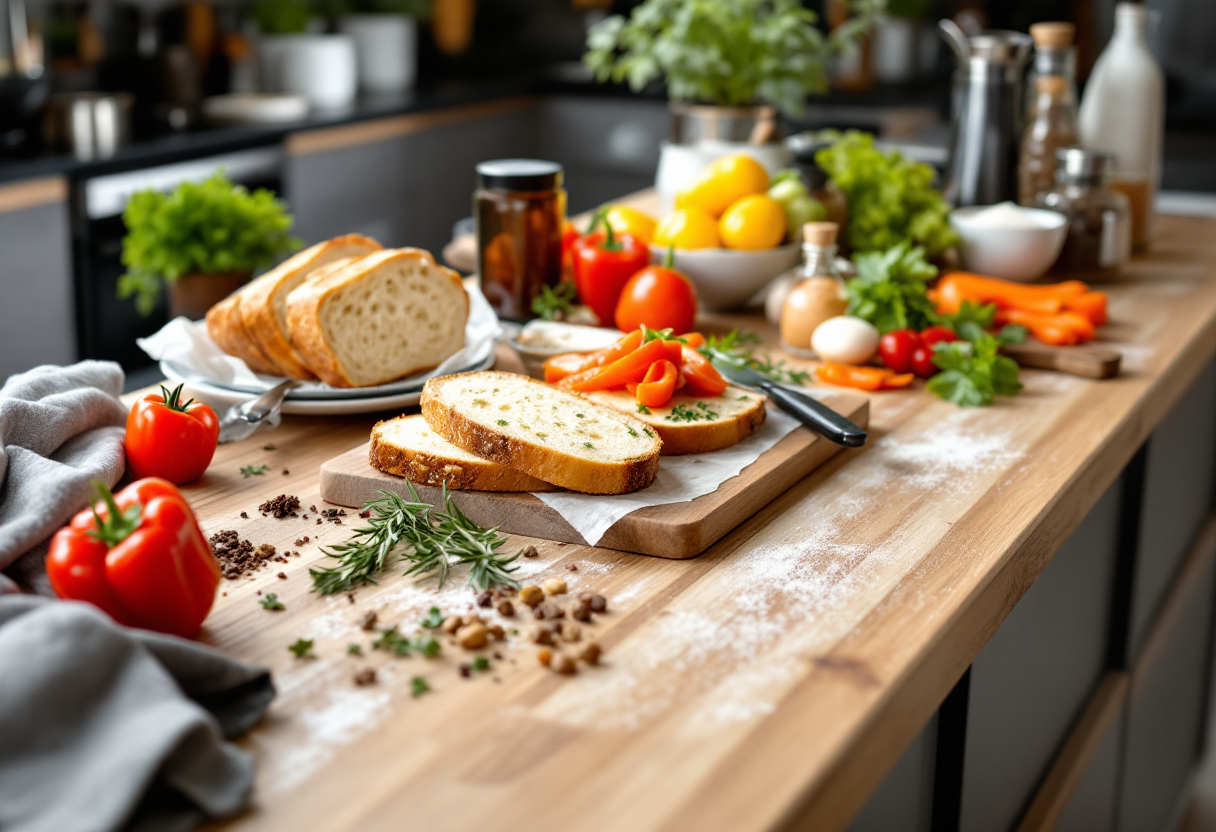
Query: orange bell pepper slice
957, 287
1090, 304
701, 378
659, 384
631, 367
1060, 330
693, 340
567, 364
862, 378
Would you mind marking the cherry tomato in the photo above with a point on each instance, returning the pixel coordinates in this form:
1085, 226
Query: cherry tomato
922, 362
170, 439
659, 298
929, 336
896, 348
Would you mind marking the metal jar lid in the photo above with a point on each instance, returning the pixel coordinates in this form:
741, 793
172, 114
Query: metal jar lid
520, 174
1084, 163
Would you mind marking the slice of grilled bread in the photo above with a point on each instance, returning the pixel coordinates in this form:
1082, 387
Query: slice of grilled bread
381, 317
228, 331
407, 447
548, 433
263, 304
694, 424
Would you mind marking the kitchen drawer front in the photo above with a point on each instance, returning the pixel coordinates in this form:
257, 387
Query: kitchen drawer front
408, 182
1091, 808
1167, 707
1180, 472
1035, 675
904, 799
37, 322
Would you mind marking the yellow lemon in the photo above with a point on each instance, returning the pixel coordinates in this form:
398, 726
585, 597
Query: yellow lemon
753, 222
687, 228
723, 182
626, 220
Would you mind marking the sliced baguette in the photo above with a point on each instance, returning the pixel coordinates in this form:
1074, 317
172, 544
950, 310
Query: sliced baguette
228, 331
548, 433
723, 420
407, 447
263, 306
381, 317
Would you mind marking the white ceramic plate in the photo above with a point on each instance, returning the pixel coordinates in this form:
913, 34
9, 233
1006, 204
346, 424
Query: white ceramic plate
371, 401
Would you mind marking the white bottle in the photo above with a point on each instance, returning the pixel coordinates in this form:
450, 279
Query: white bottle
1123, 111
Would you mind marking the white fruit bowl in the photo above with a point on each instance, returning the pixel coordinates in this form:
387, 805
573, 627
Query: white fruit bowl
727, 279
1022, 253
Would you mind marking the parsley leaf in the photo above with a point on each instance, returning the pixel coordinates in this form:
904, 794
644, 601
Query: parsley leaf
272, 602
974, 372
302, 648
554, 302
254, 470
738, 348
434, 618
418, 686
890, 289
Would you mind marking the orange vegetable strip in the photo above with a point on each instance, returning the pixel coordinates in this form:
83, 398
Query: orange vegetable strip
1062, 330
620, 349
631, 367
567, 364
957, 287
700, 377
1090, 304
693, 339
657, 388
862, 378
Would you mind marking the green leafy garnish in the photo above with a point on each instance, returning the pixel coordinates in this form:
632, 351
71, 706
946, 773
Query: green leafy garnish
354, 649
301, 648
891, 198
973, 372
588, 445
392, 641
418, 686
554, 301
738, 348
254, 470
481, 663
502, 423
432, 541
643, 409
434, 618
698, 412
271, 602
668, 334
890, 289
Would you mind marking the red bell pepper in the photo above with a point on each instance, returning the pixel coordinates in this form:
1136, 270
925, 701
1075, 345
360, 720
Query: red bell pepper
169, 439
140, 556
603, 264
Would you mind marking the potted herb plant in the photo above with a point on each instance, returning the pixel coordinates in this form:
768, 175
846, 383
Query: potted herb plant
204, 240
386, 41
296, 56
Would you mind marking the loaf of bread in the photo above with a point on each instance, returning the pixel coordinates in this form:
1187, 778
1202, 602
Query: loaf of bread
228, 331
692, 424
550, 434
379, 318
263, 305
407, 447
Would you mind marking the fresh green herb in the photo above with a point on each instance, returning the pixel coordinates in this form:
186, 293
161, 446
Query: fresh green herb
554, 302
392, 641
648, 432
542, 436
481, 402
972, 321
735, 54
745, 398
588, 445
434, 541
738, 348
354, 649
891, 198
890, 289
434, 618
668, 334
643, 409
973, 372
254, 470
632, 432
210, 227
173, 398
502, 422
699, 412
301, 648
427, 646
481, 663
271, 602
418, 686
579, 415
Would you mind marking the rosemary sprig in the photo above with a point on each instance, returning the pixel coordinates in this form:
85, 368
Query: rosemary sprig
737, 347
555, 302
432, 541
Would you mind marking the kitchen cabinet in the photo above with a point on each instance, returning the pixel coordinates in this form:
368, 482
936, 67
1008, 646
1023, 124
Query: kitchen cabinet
1091, 807
405, 180
36, 317
904, 799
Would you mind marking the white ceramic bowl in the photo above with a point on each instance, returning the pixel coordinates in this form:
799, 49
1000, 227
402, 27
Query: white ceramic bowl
1021, 253
727, 279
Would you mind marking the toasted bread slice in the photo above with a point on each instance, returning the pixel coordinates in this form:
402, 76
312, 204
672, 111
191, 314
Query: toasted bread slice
263, 305
407, 447
548, 433
382, 317
228, 331
695, 424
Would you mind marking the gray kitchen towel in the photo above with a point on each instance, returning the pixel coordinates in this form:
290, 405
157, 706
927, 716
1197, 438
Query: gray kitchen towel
60, 429
104, 728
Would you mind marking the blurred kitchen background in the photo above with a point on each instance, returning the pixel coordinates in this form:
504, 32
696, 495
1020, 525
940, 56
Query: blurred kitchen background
381, 108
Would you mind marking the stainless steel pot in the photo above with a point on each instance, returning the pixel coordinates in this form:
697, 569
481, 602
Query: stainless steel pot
693, 123
92, 125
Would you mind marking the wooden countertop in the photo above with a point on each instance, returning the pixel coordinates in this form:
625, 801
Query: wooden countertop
769, 683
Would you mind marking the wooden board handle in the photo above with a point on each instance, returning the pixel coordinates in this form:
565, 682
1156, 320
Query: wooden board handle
1087, 360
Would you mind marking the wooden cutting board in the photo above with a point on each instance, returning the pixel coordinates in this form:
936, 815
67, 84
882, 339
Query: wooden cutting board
676, 530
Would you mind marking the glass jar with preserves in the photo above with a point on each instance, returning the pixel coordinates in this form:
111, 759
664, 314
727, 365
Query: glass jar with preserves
1099, 239
519, 208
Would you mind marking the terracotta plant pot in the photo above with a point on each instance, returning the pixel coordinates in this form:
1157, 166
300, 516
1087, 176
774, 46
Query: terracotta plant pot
192, 295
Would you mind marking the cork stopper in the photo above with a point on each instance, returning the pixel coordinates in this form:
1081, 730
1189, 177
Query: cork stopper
1053, 35
820, 233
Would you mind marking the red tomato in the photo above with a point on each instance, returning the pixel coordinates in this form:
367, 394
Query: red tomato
170, 440
936, 335
659, 298
922, 362
896, 348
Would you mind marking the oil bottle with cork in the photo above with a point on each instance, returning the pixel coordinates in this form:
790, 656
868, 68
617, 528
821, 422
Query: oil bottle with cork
1051, 121
811, 292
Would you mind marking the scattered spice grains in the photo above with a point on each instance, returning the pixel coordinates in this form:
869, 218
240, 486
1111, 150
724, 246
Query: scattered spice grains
366, 676
244, 515
368, 621
531, 552
236, 557
284, 505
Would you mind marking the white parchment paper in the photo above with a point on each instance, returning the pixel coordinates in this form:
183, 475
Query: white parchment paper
680, 479
186, 346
